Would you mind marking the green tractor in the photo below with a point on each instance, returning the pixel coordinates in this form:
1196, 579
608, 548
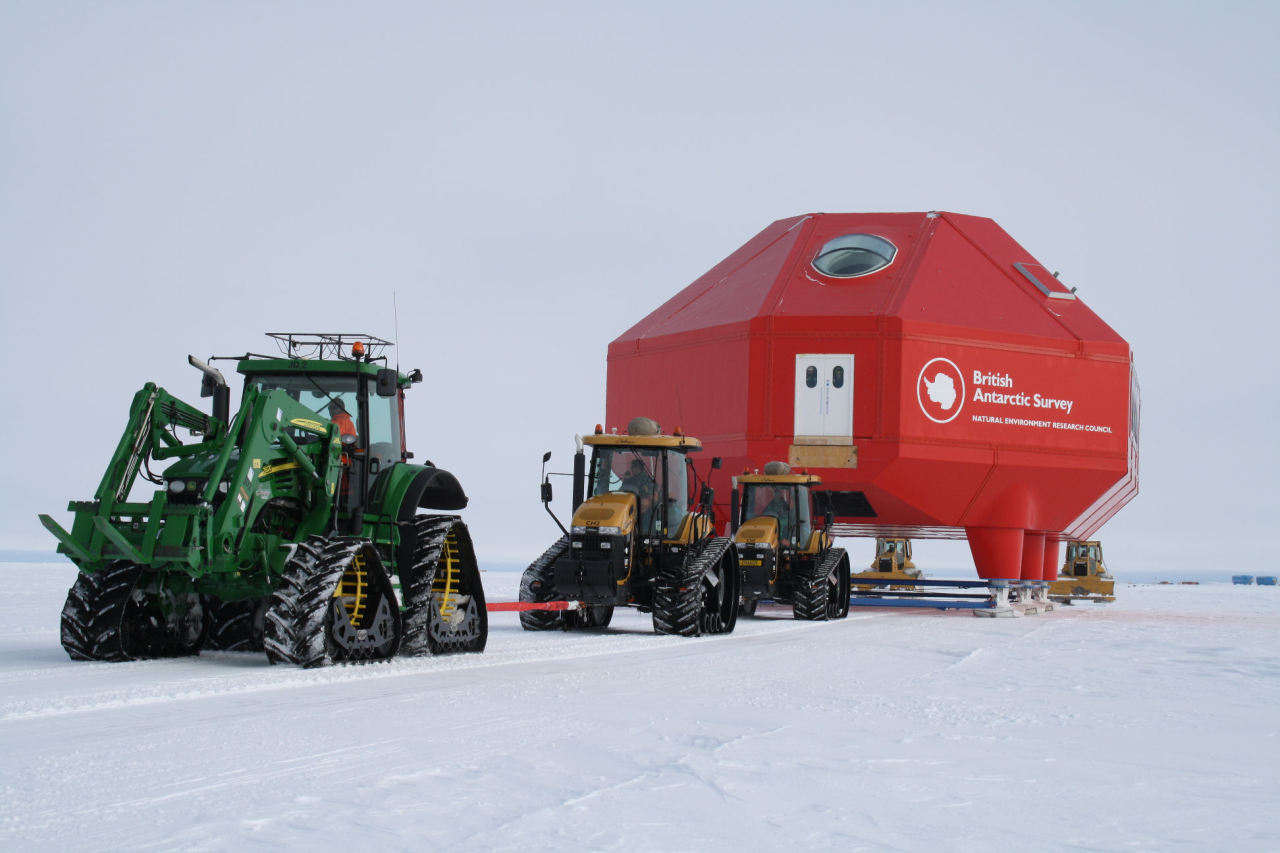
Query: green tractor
292, 526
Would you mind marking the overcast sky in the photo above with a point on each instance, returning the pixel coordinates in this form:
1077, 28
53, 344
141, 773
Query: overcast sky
528, 180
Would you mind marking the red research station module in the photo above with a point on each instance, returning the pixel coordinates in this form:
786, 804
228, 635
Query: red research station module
939, 379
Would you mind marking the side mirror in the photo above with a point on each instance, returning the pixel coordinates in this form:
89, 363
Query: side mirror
387, 382
708, 495
715, 463
546, 491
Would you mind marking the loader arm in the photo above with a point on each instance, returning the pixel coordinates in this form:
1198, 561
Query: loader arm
213, 534
272, 465
152, 415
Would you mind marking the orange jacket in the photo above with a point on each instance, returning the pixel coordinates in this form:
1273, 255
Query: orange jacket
345, 425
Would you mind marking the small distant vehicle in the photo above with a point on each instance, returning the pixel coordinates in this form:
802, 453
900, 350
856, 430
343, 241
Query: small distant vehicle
1083, 576
892, 562
784, 555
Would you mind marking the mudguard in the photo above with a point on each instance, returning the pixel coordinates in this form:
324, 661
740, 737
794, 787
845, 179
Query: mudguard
401, 490
399, 493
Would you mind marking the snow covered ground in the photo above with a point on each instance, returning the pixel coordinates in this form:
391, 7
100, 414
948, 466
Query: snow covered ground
1147, 724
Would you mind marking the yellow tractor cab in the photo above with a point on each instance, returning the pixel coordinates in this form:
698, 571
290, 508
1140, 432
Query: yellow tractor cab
1083, 577
784, 556
892, 562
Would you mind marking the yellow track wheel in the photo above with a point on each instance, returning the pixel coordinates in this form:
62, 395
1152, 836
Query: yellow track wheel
353, 589
447, 582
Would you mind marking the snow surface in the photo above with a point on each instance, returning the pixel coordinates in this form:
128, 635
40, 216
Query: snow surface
1147, 724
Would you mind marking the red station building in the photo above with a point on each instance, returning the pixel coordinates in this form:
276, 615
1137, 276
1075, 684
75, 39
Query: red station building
940, 380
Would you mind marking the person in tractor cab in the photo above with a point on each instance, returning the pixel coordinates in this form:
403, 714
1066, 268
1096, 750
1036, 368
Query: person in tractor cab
640, 483
338, 414
346, 427
780, 508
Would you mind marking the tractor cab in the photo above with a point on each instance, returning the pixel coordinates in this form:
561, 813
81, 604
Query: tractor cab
788, 504
776, 508
891, 562
637, 489
338, 378
654, 476
893, 555
1083, 577
1083, 559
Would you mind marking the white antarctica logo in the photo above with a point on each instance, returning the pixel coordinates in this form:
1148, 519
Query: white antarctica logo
940, 390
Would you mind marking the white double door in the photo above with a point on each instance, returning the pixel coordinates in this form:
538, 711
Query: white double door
824, 398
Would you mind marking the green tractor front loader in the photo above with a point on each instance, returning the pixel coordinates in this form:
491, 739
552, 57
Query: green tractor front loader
292, 526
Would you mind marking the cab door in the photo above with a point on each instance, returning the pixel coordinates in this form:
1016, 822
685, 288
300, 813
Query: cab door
824, 398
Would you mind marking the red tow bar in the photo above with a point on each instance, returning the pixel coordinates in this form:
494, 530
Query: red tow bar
533, 605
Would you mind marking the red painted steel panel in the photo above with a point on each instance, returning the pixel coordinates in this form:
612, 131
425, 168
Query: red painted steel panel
986, 395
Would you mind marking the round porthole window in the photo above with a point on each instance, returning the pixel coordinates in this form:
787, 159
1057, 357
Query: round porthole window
854, 255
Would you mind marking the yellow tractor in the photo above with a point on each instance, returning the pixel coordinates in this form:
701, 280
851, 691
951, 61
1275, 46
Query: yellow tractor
892, 562
641, 535
783, 556
1083, 577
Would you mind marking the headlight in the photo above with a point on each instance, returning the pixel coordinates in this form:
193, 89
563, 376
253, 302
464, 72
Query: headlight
609, 531
224, 487
177, 486
578, 528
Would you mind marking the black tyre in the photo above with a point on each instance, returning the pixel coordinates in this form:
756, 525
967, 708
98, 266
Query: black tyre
125, 613
822, 592
721, 587
699, 594
235, 626
838, 602
445, 609
283, 619
677, 601
537, 585
334, 604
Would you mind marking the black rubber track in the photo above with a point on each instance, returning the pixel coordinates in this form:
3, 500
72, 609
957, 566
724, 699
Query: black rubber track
685, 603
299, 623
234, 626
116, 615
283, 621
838, 603
425, 632
537, 585
721, 586
823, 592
